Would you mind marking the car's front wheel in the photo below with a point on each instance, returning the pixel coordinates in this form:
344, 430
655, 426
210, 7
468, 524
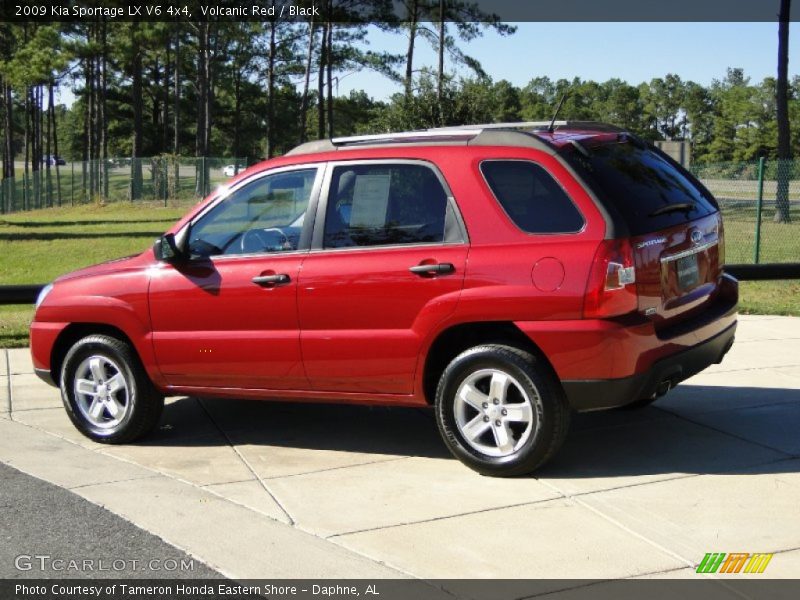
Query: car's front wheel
500, 411
107, 394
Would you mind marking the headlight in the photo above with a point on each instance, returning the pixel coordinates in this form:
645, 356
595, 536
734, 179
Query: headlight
43, 294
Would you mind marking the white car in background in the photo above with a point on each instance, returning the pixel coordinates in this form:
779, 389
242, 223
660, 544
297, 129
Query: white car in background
231, 170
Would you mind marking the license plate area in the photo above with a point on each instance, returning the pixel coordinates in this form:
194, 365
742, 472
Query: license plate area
687, 272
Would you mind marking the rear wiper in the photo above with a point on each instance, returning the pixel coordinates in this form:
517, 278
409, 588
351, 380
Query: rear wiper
677, 207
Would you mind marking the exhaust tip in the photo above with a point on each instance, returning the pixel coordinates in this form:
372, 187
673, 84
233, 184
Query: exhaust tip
663, 387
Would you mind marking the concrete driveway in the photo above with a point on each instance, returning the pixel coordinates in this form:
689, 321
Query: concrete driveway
268, 490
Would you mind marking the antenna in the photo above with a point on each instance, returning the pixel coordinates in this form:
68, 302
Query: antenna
552, 127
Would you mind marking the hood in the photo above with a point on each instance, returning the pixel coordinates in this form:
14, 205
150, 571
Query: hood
117, 265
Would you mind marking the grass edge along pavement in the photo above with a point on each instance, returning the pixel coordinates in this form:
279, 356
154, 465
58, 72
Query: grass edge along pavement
38, 246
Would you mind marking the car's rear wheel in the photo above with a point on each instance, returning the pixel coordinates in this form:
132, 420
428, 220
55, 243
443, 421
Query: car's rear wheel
106, 391
500, 411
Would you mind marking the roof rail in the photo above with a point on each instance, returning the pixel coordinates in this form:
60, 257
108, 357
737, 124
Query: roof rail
409, 137
311, 147
480, 134
595, 125
536, 125
510, 125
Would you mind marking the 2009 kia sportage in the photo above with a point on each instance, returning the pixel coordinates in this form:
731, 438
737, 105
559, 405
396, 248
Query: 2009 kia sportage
506, 274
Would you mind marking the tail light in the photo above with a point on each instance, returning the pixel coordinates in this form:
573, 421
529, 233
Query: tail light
720, 242
611, 290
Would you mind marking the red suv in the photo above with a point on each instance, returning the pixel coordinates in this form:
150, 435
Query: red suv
505, 274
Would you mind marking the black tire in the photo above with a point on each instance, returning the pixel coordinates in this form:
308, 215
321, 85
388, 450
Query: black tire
549, 410
140, 401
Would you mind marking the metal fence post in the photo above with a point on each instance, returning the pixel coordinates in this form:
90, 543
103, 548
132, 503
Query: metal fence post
72, 184
759, 207
165, 183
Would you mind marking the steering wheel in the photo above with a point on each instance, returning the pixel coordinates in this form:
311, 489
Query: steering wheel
261, 240
198, 247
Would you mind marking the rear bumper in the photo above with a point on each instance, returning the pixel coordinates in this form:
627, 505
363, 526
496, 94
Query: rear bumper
604, 363
599, 394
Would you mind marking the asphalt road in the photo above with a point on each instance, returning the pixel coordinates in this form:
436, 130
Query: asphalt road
49, 532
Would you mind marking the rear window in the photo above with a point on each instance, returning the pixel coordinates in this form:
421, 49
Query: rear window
531, 197
647, 190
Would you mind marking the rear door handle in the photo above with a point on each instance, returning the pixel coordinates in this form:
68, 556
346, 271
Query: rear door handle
434, 269
266, 280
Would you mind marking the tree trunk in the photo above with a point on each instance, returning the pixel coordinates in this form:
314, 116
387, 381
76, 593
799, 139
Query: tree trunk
90, 126
41, 141
103, 114
203, 108
307, 80
25, 195
8, 142
36, 146
155, 115
176, 100
209, 112
440, 70
136, 151
48, 149
86, 116
165, 98
237, 108
9, 185
55, 141
323, 49
329, 75
271, 92
412, 36
95, 124
782, 214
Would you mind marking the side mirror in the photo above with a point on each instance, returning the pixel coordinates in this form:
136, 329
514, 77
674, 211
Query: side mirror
167, 250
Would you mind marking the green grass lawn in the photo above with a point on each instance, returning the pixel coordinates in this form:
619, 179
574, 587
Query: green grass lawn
37, 246
780, 242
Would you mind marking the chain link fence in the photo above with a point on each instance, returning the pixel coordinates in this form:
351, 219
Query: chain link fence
760, 204
166, 180
750, 194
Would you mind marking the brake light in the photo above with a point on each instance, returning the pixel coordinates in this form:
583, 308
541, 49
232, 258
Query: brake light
611, 289
720, 242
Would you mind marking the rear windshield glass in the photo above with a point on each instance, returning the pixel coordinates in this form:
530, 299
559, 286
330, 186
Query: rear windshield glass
648, 191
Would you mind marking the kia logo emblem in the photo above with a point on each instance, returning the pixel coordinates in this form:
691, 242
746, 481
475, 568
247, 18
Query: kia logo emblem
697, 237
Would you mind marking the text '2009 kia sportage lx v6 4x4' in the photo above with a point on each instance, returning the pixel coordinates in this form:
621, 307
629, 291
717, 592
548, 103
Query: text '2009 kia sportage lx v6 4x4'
506, 274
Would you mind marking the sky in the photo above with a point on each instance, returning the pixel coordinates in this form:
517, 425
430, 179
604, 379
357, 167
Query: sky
633, 52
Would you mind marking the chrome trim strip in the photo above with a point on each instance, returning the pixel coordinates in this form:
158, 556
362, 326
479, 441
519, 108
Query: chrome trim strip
689, 252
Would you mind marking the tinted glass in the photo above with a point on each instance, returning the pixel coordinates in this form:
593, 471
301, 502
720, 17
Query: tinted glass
378, 205
641, 185
531, 197
263, 216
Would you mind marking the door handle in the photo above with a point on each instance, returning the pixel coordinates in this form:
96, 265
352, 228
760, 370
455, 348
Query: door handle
268, 280
434, 269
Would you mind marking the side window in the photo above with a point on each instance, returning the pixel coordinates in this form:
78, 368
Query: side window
531, 197
379, 205
263, 216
